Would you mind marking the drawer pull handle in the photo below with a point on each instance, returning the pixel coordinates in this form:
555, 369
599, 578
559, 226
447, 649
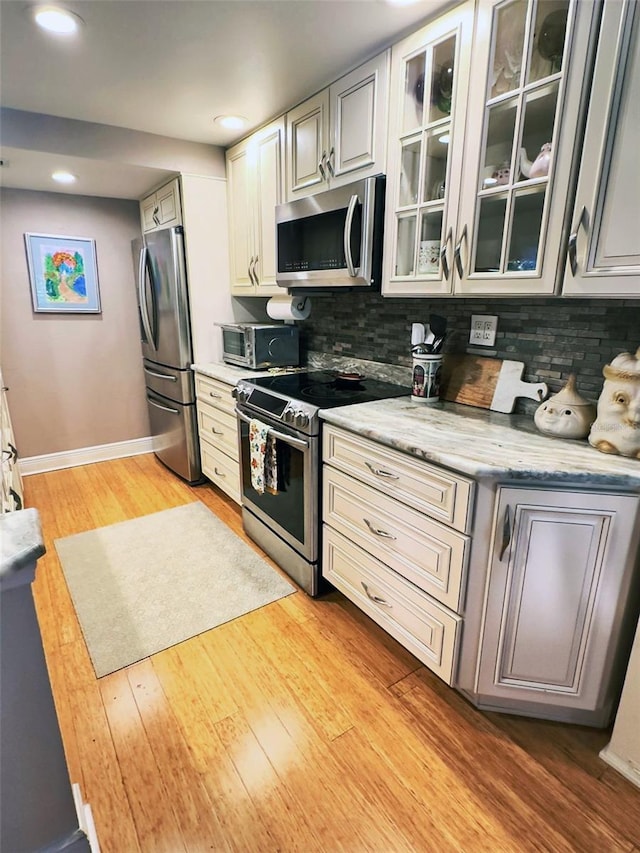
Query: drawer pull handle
216, 431
506, 533
218, 473
378, 531
375, 598
215, 396
380, 472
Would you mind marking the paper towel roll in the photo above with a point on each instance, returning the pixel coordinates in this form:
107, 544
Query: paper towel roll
288, 307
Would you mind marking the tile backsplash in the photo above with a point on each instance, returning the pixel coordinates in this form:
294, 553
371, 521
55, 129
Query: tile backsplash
553, 337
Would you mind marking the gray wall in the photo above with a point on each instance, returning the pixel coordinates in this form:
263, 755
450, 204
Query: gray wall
75, 380
553, 337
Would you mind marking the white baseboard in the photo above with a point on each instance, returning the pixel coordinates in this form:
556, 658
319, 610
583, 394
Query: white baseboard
84, 456
629, 769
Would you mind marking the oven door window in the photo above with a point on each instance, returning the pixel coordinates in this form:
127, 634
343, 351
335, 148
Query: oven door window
317, 242
233, 342
287, 508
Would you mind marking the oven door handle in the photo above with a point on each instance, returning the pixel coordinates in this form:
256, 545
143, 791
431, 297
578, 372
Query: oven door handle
288, 439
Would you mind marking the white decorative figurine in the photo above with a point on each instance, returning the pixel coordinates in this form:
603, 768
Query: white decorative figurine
617, 427
565, 414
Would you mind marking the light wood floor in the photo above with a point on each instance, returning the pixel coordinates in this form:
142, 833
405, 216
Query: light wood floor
299, 727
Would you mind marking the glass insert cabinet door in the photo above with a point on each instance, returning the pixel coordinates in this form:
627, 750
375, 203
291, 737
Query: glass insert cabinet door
429, 82
524, 120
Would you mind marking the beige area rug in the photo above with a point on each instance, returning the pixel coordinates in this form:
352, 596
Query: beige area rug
144, 585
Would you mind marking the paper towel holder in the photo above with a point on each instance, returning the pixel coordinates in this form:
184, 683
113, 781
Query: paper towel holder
289, 308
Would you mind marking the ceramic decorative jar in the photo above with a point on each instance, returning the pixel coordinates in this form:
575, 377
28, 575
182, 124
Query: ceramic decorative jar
566, 414
540, 166
617, 427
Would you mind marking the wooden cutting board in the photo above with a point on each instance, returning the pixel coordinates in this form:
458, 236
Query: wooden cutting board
487, 383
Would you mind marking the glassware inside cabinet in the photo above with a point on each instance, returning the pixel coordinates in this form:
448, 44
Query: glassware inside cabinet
414, 92
491, 222
549, 36
409, 172
508, 47
435, 167
429, 247
528, 207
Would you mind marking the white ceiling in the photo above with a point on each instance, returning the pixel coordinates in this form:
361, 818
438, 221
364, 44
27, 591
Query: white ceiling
169, 67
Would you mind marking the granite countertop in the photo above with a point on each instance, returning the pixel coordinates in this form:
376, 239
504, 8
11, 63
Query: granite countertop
481, 443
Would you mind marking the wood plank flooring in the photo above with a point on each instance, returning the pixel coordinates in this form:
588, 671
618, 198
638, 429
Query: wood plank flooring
299, 727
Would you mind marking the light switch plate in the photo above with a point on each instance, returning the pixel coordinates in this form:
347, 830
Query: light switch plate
483, 330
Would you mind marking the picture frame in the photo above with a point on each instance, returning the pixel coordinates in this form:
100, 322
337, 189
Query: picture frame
63, 273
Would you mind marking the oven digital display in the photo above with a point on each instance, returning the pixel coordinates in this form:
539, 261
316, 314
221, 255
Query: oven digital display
273, 405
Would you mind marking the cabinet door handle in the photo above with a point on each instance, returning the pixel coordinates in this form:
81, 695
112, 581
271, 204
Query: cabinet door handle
457, 253
329, 163
378, 531
375, 598
573, 242
17, 499
380, 472
249, 270
443, 254
506, 532
256, 280
323, 174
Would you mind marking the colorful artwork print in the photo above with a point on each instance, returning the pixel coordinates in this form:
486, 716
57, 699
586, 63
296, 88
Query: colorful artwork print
63, 273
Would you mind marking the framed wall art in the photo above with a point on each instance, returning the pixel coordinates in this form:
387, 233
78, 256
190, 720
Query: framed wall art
63, 273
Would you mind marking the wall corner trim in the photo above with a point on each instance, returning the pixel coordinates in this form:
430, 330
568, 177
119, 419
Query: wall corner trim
627, 768
84, 456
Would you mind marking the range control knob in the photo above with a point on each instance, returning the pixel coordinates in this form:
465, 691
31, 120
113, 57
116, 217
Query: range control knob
302, 418
288, 415
241, 394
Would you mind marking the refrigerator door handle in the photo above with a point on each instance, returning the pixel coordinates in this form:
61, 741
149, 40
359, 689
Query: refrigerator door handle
142, 294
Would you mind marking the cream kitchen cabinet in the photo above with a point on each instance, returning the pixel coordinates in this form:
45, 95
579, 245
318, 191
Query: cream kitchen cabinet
604, 250
560, 599
162, 208
394, 542
487, 216
429, 82
218, 433
339, 135
255, 185
12, 491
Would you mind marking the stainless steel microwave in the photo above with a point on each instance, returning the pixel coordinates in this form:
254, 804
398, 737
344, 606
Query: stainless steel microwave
332, 239
258, 346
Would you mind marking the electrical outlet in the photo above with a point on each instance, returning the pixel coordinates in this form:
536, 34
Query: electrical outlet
483, 330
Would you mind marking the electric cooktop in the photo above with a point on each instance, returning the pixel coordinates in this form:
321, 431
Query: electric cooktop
296, 398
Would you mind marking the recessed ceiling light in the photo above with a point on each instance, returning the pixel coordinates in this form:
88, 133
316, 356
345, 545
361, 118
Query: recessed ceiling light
63, 177
232, 122
57, 20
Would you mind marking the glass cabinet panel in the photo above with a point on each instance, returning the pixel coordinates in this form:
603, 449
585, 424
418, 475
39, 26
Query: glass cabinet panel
424, 159
414, 92
520, 126
406, 243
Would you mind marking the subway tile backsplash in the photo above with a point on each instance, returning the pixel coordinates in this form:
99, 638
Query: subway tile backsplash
553, 337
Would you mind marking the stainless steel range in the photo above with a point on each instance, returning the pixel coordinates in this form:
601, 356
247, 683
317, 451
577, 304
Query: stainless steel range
285, 519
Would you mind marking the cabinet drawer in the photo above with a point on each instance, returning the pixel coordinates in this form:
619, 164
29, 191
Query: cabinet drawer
425, 552
218, 428
420, 624
221, 469
215, 393
441, 494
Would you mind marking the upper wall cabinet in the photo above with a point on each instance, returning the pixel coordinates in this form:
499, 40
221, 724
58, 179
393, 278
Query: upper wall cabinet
162, 208
604, 245
255, 185
429, 83
525, 100
339, 135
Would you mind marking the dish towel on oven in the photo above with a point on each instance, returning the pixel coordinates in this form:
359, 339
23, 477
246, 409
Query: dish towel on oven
263, 458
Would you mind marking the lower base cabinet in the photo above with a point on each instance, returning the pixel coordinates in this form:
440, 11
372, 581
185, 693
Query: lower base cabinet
524, 599
394, 543
218, 433
561, 602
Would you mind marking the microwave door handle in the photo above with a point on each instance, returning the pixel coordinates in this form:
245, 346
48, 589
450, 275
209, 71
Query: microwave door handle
142, 297
348, 225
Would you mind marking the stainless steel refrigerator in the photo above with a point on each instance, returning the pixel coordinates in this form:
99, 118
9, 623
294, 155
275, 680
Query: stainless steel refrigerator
165, 329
